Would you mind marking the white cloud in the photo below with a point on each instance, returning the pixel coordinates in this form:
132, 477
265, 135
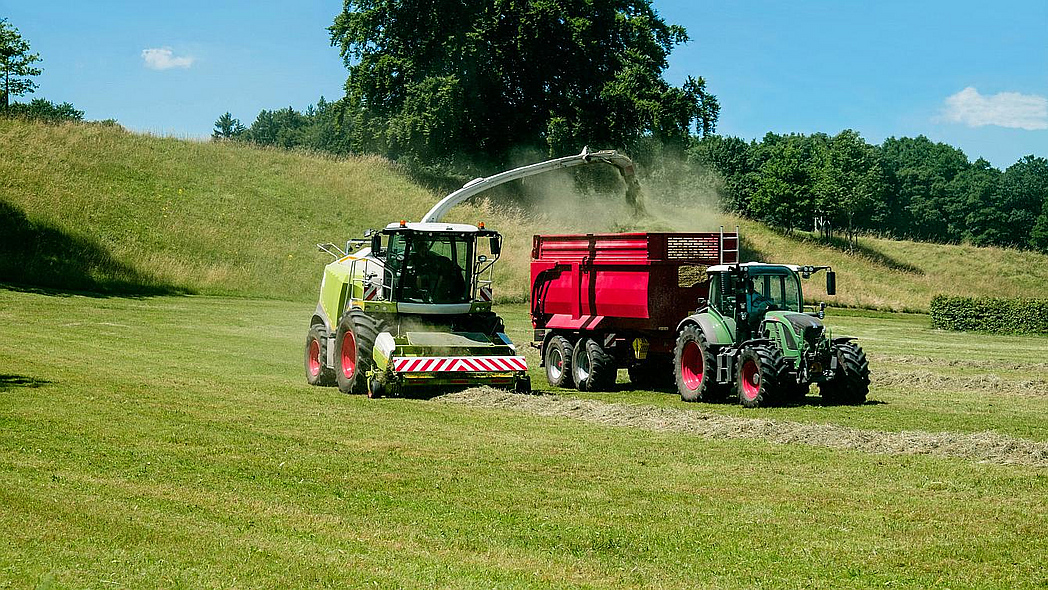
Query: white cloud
1005, 109
164, 59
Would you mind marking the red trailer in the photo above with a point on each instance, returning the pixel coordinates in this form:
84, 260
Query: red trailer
604, 301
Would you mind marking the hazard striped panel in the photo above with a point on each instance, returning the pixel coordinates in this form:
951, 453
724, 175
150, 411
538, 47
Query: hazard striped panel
370, 292
459, 364
484, 293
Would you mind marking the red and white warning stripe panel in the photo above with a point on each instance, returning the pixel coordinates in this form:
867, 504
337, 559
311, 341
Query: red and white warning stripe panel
370, 292
484, 293
455, 364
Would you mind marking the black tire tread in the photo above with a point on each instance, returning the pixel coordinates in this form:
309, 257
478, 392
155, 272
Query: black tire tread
602, 367
708, 391
852, 385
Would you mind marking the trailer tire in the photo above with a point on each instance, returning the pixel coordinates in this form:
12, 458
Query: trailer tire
694, 367
558, 362
851, 386
757, 378
591, 367
355, 341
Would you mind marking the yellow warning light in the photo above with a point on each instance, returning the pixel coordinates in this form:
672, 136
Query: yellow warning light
481, 225
403, 223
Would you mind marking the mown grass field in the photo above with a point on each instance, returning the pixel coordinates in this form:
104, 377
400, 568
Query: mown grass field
172, 442
97, 208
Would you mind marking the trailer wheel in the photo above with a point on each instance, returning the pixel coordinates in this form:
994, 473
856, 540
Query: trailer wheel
757, 376
355, 341
317, 373
558, 362
694, 368
852, 384
592, 368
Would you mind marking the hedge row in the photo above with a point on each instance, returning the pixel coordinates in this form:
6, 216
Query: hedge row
990, 314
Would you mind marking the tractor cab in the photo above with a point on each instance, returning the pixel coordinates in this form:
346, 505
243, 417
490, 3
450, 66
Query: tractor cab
743, 294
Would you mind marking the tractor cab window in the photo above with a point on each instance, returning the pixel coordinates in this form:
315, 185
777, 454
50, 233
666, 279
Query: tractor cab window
435, 268
773, 291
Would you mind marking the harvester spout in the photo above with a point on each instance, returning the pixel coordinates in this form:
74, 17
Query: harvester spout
478, 185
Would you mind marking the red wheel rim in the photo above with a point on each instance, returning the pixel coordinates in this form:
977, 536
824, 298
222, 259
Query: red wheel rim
751, 380
692, 366
314, 357
348, 352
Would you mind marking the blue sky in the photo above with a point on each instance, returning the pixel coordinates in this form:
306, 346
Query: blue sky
971, 74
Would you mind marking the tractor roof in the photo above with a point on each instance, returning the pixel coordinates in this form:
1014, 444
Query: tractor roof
727, 267
457, 228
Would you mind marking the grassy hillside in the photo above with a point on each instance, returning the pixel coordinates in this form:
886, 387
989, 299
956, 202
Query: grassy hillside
91, 207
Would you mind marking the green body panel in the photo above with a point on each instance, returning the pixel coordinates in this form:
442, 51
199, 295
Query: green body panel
719, 330
334, 291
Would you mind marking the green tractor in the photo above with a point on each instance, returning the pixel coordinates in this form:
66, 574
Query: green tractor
754, 339
410, 306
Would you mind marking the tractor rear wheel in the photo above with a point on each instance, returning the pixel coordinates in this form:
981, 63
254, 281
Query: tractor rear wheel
592, 368
694, 368
558, 362
852, 383
317, 372
355, 341
757, 378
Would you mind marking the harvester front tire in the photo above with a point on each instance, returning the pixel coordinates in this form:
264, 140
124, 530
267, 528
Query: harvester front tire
592, 368
558, 362
694, 367
317, 372
355, 341
852, 384
757, 377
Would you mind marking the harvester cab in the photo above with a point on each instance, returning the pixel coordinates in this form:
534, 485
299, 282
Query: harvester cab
410, 305
754, 336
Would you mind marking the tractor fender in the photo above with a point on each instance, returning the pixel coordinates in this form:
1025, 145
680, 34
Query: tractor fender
843, 339
708, 327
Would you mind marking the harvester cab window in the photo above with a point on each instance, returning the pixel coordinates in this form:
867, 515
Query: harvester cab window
436, 268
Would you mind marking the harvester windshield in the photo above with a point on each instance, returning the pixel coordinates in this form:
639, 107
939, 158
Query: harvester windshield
432, 268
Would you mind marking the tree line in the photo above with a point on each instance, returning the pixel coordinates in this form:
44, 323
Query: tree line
905, 188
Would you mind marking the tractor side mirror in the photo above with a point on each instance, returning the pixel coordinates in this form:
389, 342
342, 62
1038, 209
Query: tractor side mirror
376, 243
496, 246
831, 282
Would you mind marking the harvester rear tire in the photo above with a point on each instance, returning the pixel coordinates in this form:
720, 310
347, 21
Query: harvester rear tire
558, 362
355, 341
757, 377
592, 368
317, 372
852, 384
694, 367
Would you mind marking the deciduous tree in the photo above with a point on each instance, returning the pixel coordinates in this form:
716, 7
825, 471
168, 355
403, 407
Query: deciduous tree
16, 61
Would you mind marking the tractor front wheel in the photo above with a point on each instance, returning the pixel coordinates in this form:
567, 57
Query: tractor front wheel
592, 368
558, 362
317, 372
694, 369
851, 385
757, 378
355, 341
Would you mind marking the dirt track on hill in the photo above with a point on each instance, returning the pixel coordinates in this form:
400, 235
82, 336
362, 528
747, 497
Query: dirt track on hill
982, 447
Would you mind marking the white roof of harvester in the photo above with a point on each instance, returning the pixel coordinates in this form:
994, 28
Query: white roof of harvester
437, 227
727, 267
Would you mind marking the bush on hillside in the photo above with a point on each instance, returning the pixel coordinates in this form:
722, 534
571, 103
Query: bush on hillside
990, 314
40, 109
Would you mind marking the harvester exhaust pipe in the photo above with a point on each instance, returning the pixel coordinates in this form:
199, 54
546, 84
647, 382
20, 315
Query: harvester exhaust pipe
620, 161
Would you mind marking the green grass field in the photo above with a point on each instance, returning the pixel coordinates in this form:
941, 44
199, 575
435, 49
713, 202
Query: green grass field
172, 442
